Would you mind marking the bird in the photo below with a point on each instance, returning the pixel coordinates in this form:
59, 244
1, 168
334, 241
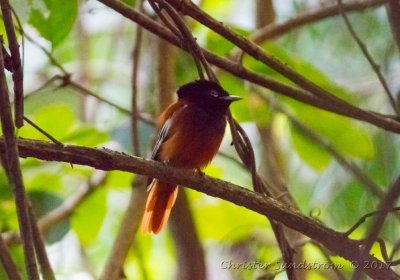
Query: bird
191, 132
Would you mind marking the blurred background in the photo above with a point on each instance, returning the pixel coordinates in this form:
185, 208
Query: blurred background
299, 149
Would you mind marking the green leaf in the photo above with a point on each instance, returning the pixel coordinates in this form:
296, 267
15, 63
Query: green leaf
86, 136
341, 132
89, 216
308, 151
297, 64
56, 120
119, 179
219, 44
217, 219
42, 203
131, 3
55, 24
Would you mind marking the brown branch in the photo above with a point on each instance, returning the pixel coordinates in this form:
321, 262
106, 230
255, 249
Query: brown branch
323, 143
49, 54
65, 210
279, 29
105, 159
9, 266
385, 207
40, 249
67, 81
188, 249
190, 9
17, 73
381, 121
387, 203
14, 174
371, 61
134, 89
54, 140
393, 10
112, 270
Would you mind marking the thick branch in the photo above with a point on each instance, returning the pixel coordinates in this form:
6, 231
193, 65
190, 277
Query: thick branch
9, 266
190, 9
14, 174
110, 160
278, 29
345, 109
16, 63
393, 10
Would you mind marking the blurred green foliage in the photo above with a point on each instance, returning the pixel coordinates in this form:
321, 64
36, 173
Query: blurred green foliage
323, 52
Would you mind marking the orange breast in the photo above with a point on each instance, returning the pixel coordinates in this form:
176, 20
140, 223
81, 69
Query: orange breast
195, 139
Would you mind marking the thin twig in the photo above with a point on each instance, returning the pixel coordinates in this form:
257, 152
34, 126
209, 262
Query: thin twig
127, 232
190, 257
323, 143
368, 56
54, 140
395, 249
246, 153
279, 29
385, 122
190, 9
365, 217
9, 266
48, 53
65, 210
105, 159
134, 85
81, 89
393, 10
40, 249
14, 175
337, 272
17, 75
184, 34
385, 207
187, 36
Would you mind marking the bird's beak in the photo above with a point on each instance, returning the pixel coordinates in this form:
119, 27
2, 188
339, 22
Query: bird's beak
231, 98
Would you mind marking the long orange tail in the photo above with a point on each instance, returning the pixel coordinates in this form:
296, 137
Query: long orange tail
161, 198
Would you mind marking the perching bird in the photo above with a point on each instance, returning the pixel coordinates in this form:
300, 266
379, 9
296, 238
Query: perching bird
191, 133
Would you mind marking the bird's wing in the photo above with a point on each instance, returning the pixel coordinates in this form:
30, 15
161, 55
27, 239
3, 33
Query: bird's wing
166, 119
162, 136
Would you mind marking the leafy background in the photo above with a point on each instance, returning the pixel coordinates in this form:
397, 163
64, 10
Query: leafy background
95, 45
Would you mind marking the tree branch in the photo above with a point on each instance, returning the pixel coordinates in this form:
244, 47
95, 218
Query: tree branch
190, 9
345, 109
393, 10
17, 75
278, 29
371, 61
105, 159
14, 174
127, 232
9, 266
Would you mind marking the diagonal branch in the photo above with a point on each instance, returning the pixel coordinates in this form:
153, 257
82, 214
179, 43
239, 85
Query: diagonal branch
105, 159
9, 266
369, 58
385, 122
16, 63
278, 29
14, 174
190, 9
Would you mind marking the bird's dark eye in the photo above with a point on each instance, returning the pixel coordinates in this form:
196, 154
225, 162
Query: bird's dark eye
214, 93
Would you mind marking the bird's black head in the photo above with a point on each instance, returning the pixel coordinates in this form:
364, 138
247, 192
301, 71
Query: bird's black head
206, 94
